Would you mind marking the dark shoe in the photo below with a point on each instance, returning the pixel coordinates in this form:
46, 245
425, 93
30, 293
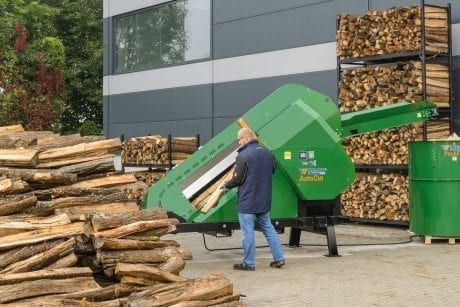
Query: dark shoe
277, 264
243, 267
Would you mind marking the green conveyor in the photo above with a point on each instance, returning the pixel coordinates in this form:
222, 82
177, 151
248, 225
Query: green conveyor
303, 129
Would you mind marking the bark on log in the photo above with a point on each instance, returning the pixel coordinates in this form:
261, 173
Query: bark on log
83, 213
106, 182
57, 163
42, 260
17, 203
103, 294
91, 167
65, 141
10, 186
37, 176
126, 244
147, 272
9, 228
18, 254
173, 265
102, 221
18, 157
22, 139
65, 262
204, 288
48, 207
14, 278
11, 129
136, 227
137, 281
133, 190
143, 256
41, 235
11, 293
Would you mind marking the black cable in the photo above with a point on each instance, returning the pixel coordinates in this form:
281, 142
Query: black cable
284, 244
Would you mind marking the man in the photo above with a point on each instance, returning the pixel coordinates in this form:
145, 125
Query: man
252, 175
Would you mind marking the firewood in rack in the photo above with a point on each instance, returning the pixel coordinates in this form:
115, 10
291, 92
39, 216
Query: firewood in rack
397, 29
377, 196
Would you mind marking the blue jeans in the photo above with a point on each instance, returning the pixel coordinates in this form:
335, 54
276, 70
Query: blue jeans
249, 242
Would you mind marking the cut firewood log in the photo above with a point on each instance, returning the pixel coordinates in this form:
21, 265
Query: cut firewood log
138, 281
11, 293
14, 278
41, 235
173, 265
48, 207
57, 163
79, 150
102, 221
10, 186
65, 262
106, 182
18, 157
20, 253
217, 193
147, 272
103, 294
41, 260
157, 255
203, 288
16, 203
131, 189
58, 141
91, 167
13, 227
136, 227
126, 244
11, 129
22, 139
37, 176
199, 199
83, 213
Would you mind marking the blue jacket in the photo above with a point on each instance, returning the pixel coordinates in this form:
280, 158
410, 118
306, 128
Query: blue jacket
253, 176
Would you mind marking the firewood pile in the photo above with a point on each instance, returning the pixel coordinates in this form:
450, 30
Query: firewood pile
72, 232
394, 30
154, 150
377, 196
374, 86
150, 176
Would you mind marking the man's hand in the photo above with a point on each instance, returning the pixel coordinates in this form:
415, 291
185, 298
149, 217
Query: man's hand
224, 188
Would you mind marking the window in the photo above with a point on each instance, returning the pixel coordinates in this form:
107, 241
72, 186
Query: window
163, 35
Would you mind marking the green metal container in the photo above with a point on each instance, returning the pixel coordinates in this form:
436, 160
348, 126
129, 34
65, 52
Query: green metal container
434, 190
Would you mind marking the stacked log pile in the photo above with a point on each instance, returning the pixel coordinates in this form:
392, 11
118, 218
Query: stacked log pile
66, 216
397, 29
150, 176
377, 196
374, 86
154, 150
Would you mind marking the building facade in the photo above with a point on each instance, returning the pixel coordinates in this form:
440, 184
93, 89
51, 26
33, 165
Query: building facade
190, 67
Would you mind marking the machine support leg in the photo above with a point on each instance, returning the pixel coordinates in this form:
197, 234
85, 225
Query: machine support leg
331, 242
294, 237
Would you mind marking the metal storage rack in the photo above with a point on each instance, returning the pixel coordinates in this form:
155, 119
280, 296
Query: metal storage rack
401, 57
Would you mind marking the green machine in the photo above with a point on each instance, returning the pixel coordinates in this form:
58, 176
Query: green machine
303, 129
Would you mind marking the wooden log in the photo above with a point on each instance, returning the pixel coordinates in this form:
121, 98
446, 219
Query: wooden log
135, 227
41, 260
217, 193
143, 256
91, 167
18, 157
11, 129
106, 182
65, 262
173, 265
126, 244
10, 186
82, 191
18, 254
11, 293
13, 227
37, 176
103, 294
41, 235
147, 272
17, 203
22, 139
80, 149
14, 278
83, 213
48, 207
57, 163
137, 281
203, 288
65, 141
102, 221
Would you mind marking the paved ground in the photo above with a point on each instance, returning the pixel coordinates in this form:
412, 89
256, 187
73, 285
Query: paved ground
408, 274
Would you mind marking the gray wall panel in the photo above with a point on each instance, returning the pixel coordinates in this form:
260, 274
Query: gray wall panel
279, 30
175, 128
385, 4
225, 10
233, 99
220, 123
107, 52
193, 102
